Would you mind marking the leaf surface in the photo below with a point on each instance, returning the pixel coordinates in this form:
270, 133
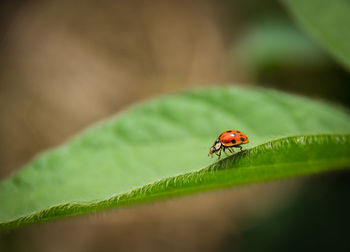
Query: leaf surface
159, 149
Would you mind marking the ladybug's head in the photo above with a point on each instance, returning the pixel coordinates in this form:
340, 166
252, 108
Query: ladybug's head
211, 150
215, 148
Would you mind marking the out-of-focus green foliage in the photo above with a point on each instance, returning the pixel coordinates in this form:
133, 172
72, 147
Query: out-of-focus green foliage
274, 43
159, 149
326, 21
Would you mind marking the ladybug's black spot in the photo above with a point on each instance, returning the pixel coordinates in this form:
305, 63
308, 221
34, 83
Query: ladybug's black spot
233, 141
242, 139
229, 131
238, 131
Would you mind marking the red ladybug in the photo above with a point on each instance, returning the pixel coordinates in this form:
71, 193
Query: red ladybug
228, 140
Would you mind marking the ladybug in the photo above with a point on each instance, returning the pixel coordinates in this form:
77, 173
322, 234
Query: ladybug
228, 140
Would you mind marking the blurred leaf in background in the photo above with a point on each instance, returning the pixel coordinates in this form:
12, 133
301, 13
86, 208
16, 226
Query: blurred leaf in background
272, 43
327, 22
273, 52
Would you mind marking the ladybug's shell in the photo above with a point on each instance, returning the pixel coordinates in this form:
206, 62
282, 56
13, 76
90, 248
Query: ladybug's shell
233, 137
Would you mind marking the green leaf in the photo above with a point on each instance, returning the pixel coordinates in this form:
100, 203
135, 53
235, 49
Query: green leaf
159, 149
326, 21
274, 42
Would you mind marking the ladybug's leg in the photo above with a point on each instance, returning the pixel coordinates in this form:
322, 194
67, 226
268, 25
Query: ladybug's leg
218, 154
231, 150
224, 151
240, 147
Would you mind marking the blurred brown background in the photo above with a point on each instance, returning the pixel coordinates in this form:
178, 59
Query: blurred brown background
67, 64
